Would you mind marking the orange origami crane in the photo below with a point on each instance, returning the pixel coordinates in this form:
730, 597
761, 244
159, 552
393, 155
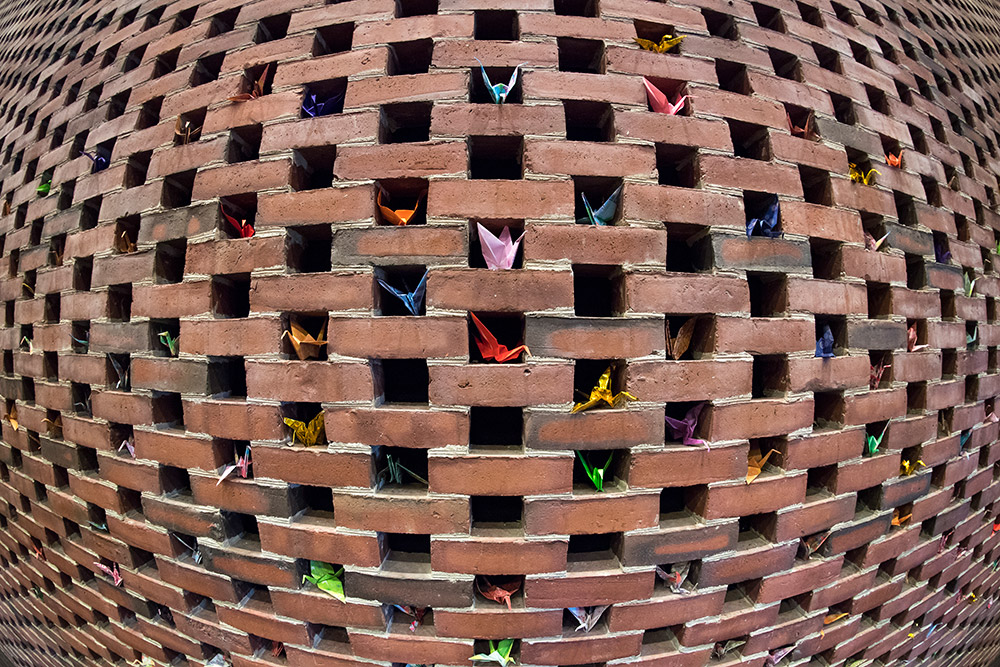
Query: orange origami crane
256, 89
678, 345
498, 593
399, 216
898, 520
755, 462
894, 160
491, 348
305, 344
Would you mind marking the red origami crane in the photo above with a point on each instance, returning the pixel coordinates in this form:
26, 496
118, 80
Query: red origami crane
243, 228
499, 593
490, 348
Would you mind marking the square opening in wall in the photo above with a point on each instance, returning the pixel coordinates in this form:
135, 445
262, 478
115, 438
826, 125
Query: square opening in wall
272, 28
241, 529
733, 77
768, 294
324, 98
227, 377
480, 94
816, 186
580, 55
335, 38
90, 212
400, 467
770, 376
879, 301
66, 192
177, 189
595, 551
244, 144
826, 259
576, 8
677, 165
688, 412
843, 107
768, 17
495, 227
600, 192
309, 249
496, 429
689, 248
120, 303
749, 140
495, 24
132, 59
416, 7
410, 57
313, 167
231, 295
828, 410
881, 369
906, 212
405, 122
316, 502
206, 69
916, 272
785, 65
507, 329
168, 261
675, 503
116, 107
401, 201
401, 380
149, 113
497, 158
407, 548
589, 121
165, 63
404, 289
598, 291
496, 512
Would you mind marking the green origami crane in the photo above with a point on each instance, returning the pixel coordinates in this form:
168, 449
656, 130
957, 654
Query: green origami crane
872, 443
326, 578
170, 341
595, 474
499, 653
969, 284
44, 187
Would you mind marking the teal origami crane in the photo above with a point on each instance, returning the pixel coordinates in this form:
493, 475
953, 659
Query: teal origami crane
872, 443
606, 213
499, 91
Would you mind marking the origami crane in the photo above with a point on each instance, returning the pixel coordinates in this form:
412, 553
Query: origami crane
499, 253
6, 208
587, 617
898, 520
53, 426
397, 217
810, 545
111, 572
124, 244
306, 345
675, 577
99, 161
824, 346
393, 472
499, 653
314, 106
490, 348
876, 375
872, 443
606, 213
416, 612
277, 648
244, 229
970, 339
866, 178
894, 160
184, 133
872, 244
196, 555
172, 342
412, 301
146, 661
964, 438
991, 418
767, 225
658, 100
755, 462
830, 619
602, 393
941, 252
256, 89
911, 339
12, 417
307, 434
103, 527
678, 345
242, 465
970, 285
805, 131
596, 474
44, 187
326, 578
720, 649
127, 445
666, 43
907, 467
123, 373
684, 428
499, 92
777, 655
498, 593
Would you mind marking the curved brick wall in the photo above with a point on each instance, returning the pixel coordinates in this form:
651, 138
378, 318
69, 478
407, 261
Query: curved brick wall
101, 254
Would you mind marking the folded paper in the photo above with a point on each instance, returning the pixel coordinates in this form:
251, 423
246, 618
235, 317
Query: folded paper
490, 347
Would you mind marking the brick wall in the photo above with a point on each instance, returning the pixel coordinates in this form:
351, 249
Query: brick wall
145, 347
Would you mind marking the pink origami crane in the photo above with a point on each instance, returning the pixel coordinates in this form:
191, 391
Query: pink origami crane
242, 464
777, 655
111, 572
127, 444
499, 253
684, 428
658, 100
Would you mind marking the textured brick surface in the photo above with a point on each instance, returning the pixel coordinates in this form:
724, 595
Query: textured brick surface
95, 268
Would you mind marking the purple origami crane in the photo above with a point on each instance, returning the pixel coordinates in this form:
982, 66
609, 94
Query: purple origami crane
315, 106
684, 428
941, 253
824, 346
100, 162
499, 253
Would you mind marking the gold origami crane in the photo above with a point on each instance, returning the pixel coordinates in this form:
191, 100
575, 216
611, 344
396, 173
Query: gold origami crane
305, 344
755, 462
666, 43
602, 392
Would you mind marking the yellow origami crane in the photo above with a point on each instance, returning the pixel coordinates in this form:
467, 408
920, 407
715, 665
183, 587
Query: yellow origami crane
399, 216
306, 345
906, 468
307, 434
12, 417
602, 392
666, 43
867, 178
755, 462
833, 618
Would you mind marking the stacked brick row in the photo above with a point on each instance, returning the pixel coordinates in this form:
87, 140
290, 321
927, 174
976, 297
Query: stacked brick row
785, 96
